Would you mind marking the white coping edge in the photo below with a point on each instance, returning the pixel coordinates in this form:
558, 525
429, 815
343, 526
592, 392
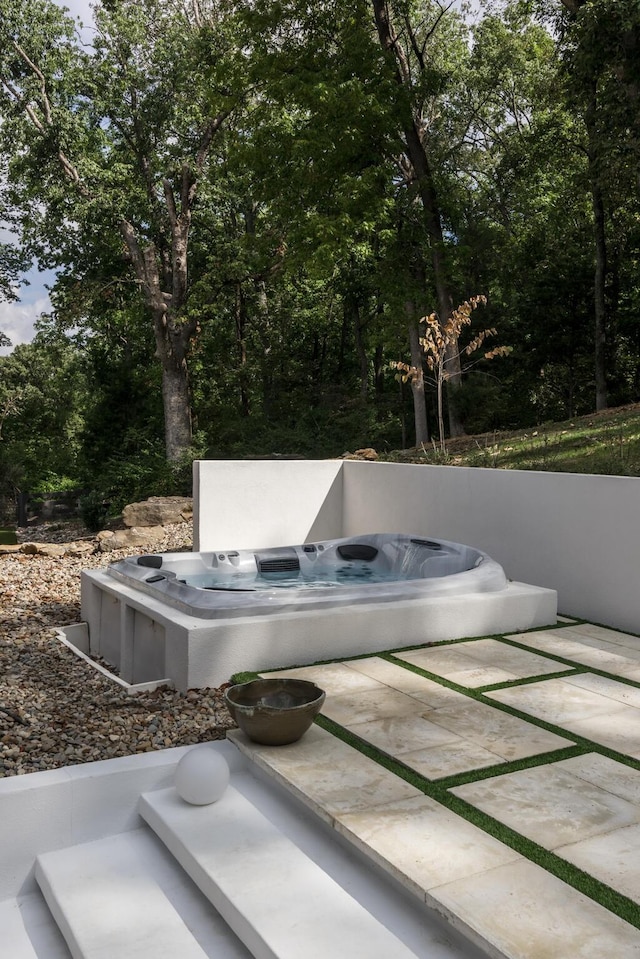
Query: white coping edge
80, 645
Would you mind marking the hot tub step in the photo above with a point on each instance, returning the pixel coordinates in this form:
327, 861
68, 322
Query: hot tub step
277, 900
108, 905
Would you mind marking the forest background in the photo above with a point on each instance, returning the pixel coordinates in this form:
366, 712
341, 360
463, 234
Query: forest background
255, 210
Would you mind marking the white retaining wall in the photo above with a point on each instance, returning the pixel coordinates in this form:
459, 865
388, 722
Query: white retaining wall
76, 804
258, 503
577, 534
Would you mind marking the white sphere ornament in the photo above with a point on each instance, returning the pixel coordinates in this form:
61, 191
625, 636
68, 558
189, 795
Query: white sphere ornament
202, 775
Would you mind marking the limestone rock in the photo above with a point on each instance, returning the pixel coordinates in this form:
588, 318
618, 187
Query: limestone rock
53, 550
50, 549
81, 548
158, 511
10, 548
147, 537
365, 454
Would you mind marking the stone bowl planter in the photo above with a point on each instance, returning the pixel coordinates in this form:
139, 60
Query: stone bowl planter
274, 712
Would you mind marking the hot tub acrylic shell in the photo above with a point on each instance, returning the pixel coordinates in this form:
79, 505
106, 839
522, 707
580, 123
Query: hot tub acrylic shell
379, 568
147, 638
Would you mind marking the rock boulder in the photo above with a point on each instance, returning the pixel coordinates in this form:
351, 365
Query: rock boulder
147, 537
158, 511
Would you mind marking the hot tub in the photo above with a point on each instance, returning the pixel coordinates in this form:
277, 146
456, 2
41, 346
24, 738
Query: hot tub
379, 567
196, 619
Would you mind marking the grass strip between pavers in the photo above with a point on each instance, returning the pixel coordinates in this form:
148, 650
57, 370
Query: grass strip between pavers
438, 789
504, 767
594, 889
527, 680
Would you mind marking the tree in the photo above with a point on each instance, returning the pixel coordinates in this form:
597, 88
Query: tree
114, 145
528, 211
601, 48
42, 395
13, 262
407, 33
438, 341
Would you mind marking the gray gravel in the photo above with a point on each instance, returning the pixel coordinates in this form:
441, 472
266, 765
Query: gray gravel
55, 710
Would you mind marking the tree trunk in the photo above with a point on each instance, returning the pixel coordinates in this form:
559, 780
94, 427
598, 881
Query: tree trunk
352, 311
263, 318
417, 383
177, 415
419, 160
172, 341
600, 307
600, 273
378, 371
241, 344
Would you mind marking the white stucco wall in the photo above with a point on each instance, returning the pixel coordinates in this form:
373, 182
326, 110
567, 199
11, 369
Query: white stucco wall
258, 503
577, 534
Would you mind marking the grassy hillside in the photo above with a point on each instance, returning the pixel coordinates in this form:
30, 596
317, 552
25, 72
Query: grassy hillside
607, 442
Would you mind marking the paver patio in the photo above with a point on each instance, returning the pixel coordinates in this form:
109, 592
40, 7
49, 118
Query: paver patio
563, 744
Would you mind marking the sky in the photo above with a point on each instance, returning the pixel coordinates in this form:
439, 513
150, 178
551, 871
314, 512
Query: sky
17, 319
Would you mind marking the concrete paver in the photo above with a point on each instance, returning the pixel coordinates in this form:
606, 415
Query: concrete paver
613, 858
507, 736
533, 915
404, 680
585, 648
551, 804
618, 730
592, 707
370, 705
329, 776
585, 809
423, 844
398, 735
604, 686
557, 701
481, 662
439, 761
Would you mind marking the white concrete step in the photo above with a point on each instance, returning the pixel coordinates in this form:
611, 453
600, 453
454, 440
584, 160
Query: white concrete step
16, 942
28, 930
279, 902
108, 904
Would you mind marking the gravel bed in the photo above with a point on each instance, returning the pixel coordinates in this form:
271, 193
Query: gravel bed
55, 710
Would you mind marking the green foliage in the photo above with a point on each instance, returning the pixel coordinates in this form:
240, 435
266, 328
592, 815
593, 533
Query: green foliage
54, 483
604, 443
94, 511
42, 392
133, 477
308, 243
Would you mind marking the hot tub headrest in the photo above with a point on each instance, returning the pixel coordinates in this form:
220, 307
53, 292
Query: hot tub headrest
429, 543
357, 551
153, 562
